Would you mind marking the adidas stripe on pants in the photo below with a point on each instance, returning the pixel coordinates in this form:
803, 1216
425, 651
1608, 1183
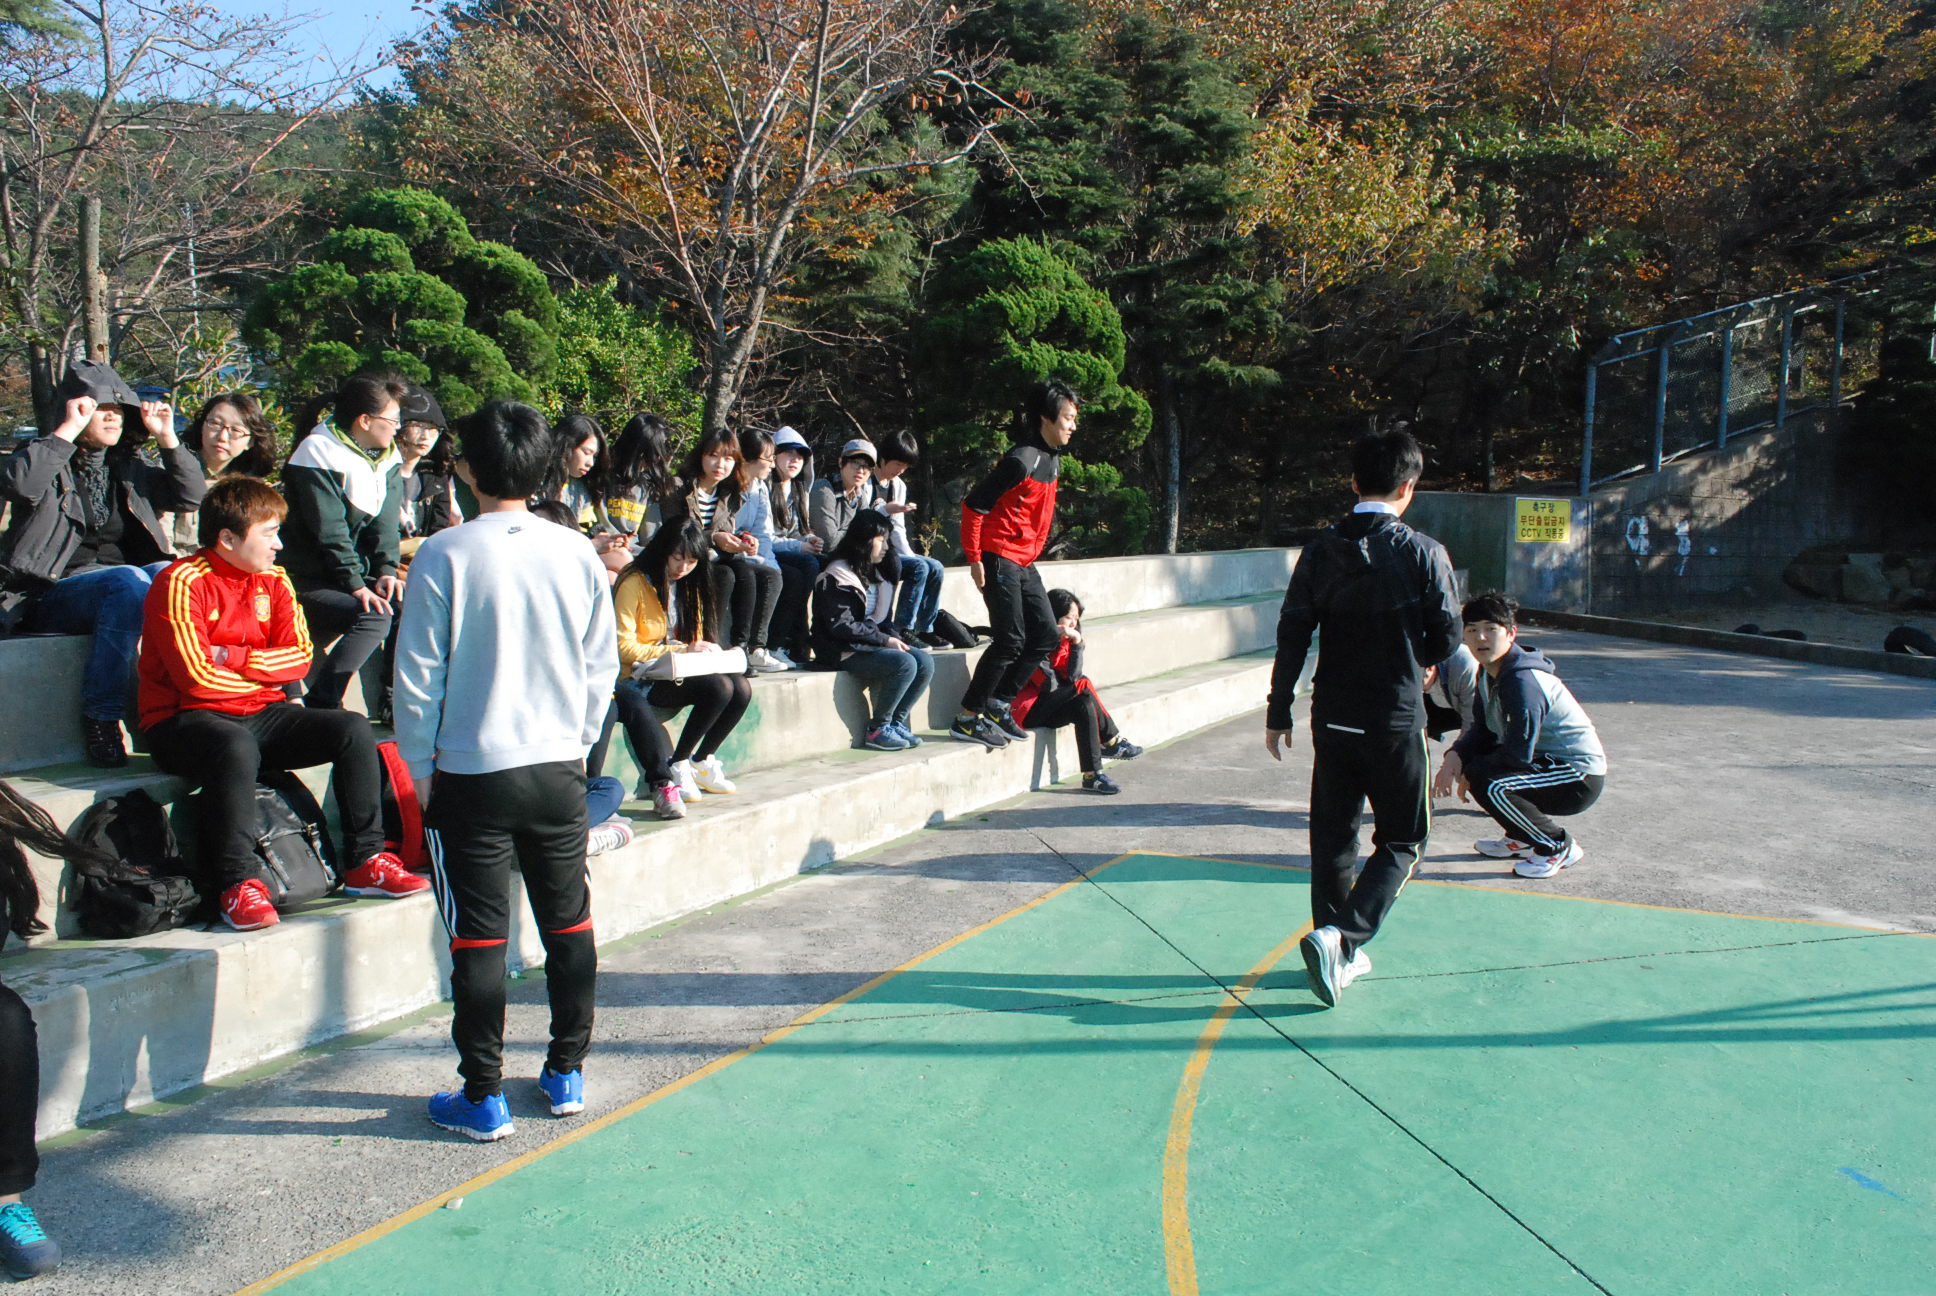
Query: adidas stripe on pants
1523, 801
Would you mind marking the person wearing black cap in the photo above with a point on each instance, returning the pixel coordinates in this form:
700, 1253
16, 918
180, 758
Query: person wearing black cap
428, 470
86, 535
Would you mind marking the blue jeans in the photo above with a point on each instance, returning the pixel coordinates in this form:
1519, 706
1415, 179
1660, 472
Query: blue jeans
898, 680
105, 603
603, 796
919, 600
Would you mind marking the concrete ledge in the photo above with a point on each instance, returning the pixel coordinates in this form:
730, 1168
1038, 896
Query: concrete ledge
47, 670
124, 1023
1820, 654
792, 716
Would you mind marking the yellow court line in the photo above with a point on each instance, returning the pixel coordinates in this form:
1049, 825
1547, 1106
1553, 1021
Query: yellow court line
1179, 1251
637, 1105
1577, 899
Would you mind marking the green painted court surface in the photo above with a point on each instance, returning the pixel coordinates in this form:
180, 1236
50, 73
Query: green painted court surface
1528, 1095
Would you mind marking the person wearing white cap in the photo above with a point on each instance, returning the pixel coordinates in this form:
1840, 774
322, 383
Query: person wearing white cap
794, 543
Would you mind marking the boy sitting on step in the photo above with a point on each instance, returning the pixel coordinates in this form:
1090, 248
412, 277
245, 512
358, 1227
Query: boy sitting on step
222, 636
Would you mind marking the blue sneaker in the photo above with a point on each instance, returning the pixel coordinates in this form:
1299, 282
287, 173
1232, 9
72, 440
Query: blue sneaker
485, 1121
25, 1249
566, 1093
905, 734
883, 738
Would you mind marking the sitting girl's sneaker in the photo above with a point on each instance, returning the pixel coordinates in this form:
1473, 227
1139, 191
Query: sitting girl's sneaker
608, 836
383, 875
906, 734
688, 780
1122, 749
1100, 783
764, 662
711, 777
25, 1249
667, 803
883, 738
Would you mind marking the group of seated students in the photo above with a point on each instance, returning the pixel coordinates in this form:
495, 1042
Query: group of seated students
738, 564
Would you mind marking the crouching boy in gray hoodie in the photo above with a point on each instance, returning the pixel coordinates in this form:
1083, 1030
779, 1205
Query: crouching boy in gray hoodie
1535, 754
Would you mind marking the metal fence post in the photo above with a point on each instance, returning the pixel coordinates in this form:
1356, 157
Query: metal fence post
1787, 358
1835, 360
1586, 441
1660, 403
1727, 383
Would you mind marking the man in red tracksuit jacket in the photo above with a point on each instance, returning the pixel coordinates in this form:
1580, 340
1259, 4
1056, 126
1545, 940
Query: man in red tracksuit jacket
1004, 525
222, 634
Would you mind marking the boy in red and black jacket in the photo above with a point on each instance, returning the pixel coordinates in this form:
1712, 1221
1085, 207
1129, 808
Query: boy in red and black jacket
221, 637
1004, 525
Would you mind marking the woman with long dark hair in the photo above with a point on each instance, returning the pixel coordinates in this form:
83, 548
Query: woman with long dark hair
743, 591
755, 522
25, 1248
853, 630
663, 603
578, 478
641, 479
794, 542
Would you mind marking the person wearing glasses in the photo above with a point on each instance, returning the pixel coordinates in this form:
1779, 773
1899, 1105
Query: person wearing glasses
344, 484
232, 437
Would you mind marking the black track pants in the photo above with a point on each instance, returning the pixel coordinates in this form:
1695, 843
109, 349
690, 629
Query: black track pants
1523, 801
337, 619
1348, 769
223, 755
1076, 705
480, 827
746, 593
19, 1094
718, 703
1022, 633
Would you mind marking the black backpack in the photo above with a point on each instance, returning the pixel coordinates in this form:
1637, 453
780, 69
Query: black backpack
147, 888
292, 842
950, 627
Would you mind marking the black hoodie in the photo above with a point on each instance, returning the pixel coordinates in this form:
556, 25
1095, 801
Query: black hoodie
1380, 597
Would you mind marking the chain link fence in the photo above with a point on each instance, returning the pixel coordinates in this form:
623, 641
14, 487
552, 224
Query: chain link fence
1656, 393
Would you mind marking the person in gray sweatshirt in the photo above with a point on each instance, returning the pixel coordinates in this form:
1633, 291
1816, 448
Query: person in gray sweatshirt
505, 666
1533, 754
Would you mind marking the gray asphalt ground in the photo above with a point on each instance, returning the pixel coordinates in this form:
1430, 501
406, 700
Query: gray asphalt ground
1738, 784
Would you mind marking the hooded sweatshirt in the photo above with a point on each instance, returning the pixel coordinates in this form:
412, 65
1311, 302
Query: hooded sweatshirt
344, 507
1010, 512
1530, 718
57, 492
1379, 596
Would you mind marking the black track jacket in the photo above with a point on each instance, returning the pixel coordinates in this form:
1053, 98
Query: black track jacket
1380, 597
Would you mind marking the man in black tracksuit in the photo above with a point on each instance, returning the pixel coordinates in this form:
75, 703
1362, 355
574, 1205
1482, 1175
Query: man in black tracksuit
1380, 597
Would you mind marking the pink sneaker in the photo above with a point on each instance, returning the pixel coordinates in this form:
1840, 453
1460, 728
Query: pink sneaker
383, 874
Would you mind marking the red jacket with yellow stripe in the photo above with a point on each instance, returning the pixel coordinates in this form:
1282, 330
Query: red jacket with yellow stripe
216, 638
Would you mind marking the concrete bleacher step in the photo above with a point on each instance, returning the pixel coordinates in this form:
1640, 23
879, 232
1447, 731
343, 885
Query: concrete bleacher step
123, 1023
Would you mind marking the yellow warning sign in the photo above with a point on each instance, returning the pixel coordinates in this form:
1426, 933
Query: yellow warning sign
1543, 521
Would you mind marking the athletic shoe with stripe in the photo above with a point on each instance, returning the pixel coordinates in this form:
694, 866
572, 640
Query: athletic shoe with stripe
245, 906
998, 714
1324, 961
1503, 847
383, 875
608, 836
977, 729
485, 1121
1545, 866
1360, 965
25, 1249
565, 1092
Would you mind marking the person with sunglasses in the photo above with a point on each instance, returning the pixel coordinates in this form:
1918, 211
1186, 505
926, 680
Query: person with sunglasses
341, 543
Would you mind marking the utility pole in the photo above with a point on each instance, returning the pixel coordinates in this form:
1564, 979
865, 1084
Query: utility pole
94, 284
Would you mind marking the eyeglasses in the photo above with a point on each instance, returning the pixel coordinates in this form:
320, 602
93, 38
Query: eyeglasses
224, 429
861, 462
384, 418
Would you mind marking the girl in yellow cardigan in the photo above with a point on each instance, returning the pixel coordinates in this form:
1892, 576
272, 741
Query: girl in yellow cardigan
663, 606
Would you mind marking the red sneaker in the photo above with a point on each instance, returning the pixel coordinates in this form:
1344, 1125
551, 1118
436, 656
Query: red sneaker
383, 874
246, 907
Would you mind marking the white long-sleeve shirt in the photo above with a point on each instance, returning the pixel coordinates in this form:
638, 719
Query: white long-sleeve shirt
508, 650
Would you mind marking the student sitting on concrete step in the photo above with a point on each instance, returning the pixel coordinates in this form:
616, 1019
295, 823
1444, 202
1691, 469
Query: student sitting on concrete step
1535, 754
1060, 694
223, 636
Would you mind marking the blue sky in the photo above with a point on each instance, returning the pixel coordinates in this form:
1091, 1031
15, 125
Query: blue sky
342, 28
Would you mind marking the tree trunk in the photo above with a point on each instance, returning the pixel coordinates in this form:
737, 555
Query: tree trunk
1173, 454
41, 376
94, 284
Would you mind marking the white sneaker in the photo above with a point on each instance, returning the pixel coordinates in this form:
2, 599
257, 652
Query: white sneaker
688, 782
1545, 866
1503, 847
764, 662
711, 777
667, 803
1323, 952
610, 835
785, 659
1360, 965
